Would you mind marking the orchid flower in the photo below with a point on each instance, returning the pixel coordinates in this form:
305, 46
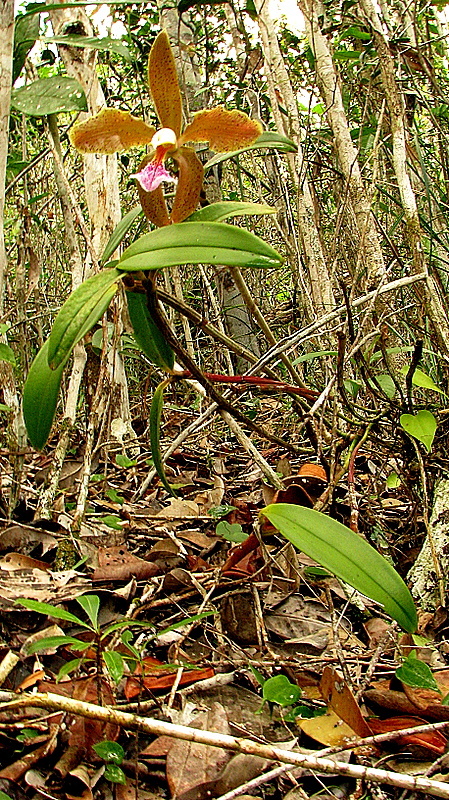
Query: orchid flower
112, 131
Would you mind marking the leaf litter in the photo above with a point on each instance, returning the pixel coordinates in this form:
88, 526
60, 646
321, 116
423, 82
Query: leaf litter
192, 624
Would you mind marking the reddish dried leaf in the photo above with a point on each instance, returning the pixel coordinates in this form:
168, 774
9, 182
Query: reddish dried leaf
434, 741
239, 551
158, 676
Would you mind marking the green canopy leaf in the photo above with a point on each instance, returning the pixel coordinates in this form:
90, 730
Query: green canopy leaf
105, 43
26, 31
348, 556
49, 96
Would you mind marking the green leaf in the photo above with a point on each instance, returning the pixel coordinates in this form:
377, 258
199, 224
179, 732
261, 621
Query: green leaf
115, 665
68, 667
217, 212
155, 434
4, 796
417, 674
198, 243
79, 314
386, 383
220, 511
393, 480
49, 96
279, 690
105, 43
348, 556
40, 397
111, 752
7, 354
232, 532
150, 339
52, 642
419, 378
114, 496
421, 426
266, 141
114, 774
119, 233
122, 460
90, 603
26, 31
49, 610
112, 521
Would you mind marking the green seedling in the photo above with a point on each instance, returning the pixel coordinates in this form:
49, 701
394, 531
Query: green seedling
113, 754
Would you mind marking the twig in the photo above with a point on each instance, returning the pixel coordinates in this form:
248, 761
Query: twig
155, 727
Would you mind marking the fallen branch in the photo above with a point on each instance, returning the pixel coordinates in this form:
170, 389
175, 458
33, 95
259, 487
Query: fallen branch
155, 727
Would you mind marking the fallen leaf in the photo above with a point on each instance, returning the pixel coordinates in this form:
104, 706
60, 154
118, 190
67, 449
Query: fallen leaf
118, 564
338, 695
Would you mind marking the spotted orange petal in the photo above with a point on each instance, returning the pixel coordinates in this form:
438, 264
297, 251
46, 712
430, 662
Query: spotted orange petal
224, 130
110, 131
153, 203
163, 82
190, 181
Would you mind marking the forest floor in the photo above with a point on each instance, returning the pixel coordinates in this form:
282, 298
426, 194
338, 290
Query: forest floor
194, 614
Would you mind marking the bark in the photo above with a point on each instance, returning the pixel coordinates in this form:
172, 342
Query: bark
370, 257
428, 292
422, 576
102, 192
279, 81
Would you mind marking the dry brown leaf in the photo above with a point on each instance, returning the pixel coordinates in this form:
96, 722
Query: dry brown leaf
328, 729
338, 695
118, 564
192, 769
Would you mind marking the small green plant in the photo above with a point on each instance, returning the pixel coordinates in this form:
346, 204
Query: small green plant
112, 660
232, 532
421, 426
113, 754
279, 691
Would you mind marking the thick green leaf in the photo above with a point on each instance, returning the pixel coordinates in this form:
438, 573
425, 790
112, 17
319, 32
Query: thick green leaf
90, 603
279, 690
386, 383
417, 674
114, 774
146, 333
155, 435
49, 610
266, 141
198, 243
40, 397
26, 31
119, 233
348, 556
79, 314
218, 212
421, 379
115, 665
49, 96
105, 43
421, 426
7, 354
112, 752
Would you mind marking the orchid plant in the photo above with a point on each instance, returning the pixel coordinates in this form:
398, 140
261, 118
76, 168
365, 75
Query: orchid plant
112, 131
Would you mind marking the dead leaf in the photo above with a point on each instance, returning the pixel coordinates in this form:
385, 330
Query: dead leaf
328, 729
338, 695
434, 741
16, 561
26, 538
118, 564
158, 676
192, 769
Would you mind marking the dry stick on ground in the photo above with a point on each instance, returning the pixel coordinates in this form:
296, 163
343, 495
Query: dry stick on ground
9, 700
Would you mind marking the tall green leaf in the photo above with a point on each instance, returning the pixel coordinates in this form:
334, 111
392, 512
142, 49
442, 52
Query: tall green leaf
348, 556
155, 435
217, 212
198, 243
40, 396
266, 141
49, 96
119, 233
79, 314
146, 333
